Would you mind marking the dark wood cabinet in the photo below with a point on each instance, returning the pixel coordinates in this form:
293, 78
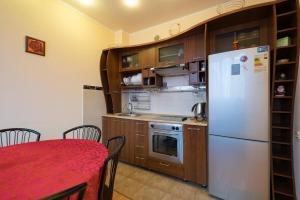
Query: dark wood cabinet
111, 127
129, 60
140, 143
195, 154
136, 147
148, 57
105, 129
127, 128
194, 48
151, 79
135, 150
166, 167
245, 35
197, 75
171, 53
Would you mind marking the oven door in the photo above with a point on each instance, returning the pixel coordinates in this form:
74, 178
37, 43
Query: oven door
166, 146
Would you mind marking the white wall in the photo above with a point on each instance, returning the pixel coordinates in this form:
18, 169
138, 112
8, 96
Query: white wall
45, 93
186, 22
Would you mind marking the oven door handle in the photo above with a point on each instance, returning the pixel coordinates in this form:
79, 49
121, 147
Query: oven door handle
164, 133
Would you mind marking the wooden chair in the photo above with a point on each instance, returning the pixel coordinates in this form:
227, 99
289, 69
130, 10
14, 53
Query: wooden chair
66, 194
13, 136
117, 143
86, 132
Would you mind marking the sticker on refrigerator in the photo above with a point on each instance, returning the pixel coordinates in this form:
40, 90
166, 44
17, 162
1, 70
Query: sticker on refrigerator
260, 62
262, 49
235, 69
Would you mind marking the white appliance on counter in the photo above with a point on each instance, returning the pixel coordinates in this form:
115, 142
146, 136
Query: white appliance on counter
239, 164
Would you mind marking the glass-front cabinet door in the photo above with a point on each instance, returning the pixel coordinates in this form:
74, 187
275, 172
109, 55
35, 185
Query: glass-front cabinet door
243, 36
171, 54
129, 61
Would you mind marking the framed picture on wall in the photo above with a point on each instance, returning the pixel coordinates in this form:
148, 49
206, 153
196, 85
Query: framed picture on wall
35, 46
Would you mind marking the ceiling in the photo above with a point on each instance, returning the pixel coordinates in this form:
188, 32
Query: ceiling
113, 13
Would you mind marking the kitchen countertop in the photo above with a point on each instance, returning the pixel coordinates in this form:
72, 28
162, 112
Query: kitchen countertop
153, 118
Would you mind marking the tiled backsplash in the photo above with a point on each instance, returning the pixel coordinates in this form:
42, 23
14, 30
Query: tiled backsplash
175, 102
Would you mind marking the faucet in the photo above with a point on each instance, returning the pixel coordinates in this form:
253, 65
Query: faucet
130, 107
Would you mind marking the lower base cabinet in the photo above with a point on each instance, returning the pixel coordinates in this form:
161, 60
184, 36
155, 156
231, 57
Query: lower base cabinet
195, 154
140, 143
135, 150
165, 167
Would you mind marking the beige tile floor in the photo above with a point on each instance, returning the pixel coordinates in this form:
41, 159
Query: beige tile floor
140, 184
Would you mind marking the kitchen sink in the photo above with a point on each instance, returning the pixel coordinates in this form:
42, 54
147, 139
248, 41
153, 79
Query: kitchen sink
129, 114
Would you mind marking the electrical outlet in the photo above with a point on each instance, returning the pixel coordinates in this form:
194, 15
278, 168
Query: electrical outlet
298, 135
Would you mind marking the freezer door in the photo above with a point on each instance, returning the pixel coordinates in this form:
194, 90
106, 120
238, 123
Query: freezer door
238, 169
239, 94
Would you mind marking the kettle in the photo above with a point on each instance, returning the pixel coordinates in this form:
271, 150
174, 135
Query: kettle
199, 111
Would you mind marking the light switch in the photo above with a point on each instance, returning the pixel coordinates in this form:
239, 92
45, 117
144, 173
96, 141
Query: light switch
298, 135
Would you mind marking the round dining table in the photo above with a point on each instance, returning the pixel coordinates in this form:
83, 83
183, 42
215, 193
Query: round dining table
36, 170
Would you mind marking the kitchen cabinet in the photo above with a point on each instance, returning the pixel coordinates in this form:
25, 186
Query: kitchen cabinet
195, 154
105, 129
148, 57
127, 153
130, 61
112, 127
150, 78
197, 72
170, 54
240, 36
140, 143
135, 150
170, 168
194, 48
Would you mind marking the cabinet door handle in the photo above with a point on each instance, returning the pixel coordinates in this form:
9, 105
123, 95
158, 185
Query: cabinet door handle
194, 129
139, 146
139, 135
140, 158
163, 164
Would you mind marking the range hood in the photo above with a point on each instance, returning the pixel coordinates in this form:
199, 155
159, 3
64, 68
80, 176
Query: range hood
172, 70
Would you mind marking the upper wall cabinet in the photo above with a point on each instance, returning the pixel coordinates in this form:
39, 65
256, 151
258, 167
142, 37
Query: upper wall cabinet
148, 57
129, 61
241, 36
194, 48
170, 54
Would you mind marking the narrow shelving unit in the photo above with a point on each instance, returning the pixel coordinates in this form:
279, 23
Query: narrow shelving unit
284, 76
104, 79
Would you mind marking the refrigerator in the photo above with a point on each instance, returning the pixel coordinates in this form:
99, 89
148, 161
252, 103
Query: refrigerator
238, 125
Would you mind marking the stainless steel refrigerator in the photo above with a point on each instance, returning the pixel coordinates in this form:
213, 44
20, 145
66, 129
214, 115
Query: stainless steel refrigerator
239, 166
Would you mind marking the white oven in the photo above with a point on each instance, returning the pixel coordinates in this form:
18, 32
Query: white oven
165, 141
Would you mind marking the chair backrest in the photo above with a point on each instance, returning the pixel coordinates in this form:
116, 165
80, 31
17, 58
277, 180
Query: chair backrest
113, 158
86, 132
66, 194
12, 136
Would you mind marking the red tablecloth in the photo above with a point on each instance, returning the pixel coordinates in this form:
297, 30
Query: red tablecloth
38, 169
